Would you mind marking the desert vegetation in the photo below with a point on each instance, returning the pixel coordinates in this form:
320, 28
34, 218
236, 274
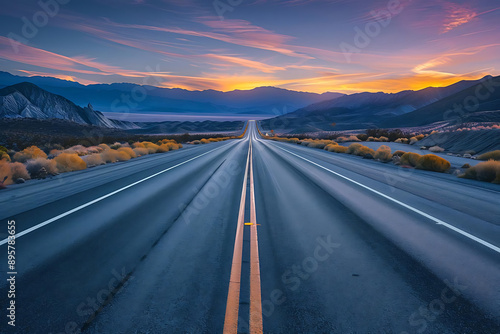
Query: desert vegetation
217, 139
487, 171
493, 155
383, 153
433, 163
36, 163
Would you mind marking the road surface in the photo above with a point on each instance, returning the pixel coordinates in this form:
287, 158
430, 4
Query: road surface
253, 236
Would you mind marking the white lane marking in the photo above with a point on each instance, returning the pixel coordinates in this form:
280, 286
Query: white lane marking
67, 213
438, 221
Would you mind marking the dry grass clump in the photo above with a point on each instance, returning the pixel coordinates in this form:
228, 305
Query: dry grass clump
104, 147
402, 140
152, 148
31, 152
410, 159
347, 139
493, 155
358, 149
140, 151
68, 162
93, 160
433, 163
77, 149
398, 153
40, 168
383, 153
127, 150
336, 148
436, 149
171, 146
110, 156
19, 171
488, 171
12, 171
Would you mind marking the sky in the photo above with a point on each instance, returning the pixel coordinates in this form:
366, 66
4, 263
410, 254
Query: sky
343, 46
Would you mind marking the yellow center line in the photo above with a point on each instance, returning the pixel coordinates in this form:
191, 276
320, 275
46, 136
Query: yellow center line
256, 326
233, 296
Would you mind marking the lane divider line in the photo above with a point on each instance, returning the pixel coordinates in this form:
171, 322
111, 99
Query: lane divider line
256, 326
233, 295
83, 206
436, 220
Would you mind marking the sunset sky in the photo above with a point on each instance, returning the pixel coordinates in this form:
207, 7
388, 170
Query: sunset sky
293, 44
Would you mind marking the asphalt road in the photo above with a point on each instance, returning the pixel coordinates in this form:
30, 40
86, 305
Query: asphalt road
342, 244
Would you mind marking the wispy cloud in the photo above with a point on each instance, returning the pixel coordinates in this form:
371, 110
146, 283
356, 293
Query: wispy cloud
457, 15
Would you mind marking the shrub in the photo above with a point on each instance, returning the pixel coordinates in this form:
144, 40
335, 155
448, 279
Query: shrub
4, 156
353, 138
68, 162
383, 139
336, 148
383, 153
152, 148
361, 150
436, 149
104, 147
11, 171
488, 171
353, 148
77, 149
127, 150
410, 159
31, 152
420, 137
434, 163
314, 144
93, 160
362, 136
140, 151
399, 153
114, 156
339, 149
40, 168
18, 171
204, 141
493, 155
402, 140
196, 142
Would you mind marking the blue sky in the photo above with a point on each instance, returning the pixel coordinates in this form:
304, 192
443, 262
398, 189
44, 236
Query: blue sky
308, 45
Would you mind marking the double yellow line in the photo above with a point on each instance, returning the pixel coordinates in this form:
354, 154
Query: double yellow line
233, 297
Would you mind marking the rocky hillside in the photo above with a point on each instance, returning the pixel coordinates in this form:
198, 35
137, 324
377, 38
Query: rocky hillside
26, 100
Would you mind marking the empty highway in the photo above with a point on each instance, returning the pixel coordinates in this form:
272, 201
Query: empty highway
253, 236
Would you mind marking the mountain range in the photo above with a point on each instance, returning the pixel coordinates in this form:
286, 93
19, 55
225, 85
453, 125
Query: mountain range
446, 105
131, 98
403, 109
26, 100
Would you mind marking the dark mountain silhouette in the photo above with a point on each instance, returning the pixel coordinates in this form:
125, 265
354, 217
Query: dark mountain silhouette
367, 110
263, 101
